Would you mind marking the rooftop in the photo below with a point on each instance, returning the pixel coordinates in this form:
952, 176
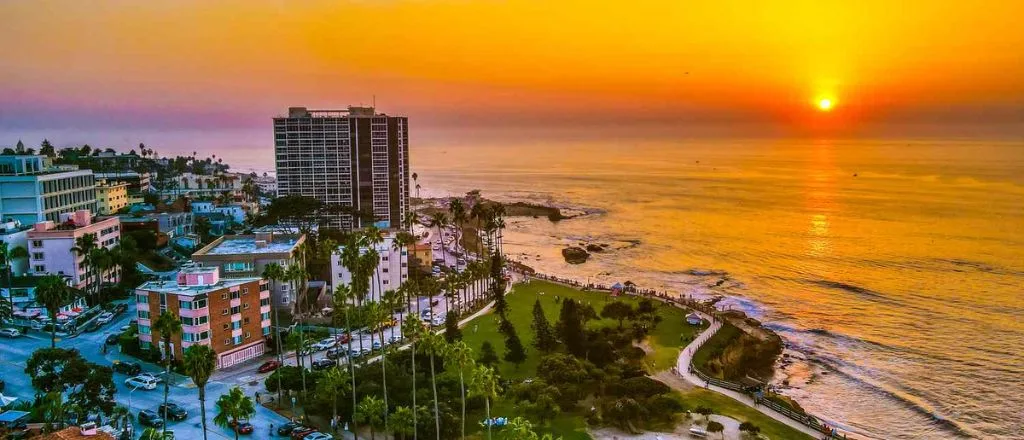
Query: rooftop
172, 286
303, 112
253, 244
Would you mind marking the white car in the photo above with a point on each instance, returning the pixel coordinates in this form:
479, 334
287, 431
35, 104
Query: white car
146, 383
105, 318
324, 344
319, 436
438, 321
10, 332
151, 376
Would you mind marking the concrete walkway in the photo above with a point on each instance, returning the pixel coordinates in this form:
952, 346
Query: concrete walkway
683, 369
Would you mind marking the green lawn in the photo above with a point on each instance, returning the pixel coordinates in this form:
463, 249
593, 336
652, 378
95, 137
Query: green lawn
665, 339
728, 407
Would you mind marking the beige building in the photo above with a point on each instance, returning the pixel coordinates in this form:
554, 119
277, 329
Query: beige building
111, 196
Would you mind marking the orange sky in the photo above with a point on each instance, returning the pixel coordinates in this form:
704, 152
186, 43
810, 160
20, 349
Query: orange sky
509, 63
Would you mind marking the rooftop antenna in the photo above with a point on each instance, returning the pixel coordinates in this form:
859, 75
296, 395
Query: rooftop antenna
374, 102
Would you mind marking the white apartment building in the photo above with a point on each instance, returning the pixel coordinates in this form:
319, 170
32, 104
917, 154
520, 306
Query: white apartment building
391, 272
33, 190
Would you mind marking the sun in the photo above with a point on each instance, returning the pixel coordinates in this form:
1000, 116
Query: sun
825, 104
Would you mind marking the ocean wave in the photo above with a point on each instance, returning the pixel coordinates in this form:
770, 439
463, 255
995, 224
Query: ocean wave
862, 292
703, 272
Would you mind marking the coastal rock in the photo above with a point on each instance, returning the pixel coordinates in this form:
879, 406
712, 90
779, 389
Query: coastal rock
575, 255
592, 247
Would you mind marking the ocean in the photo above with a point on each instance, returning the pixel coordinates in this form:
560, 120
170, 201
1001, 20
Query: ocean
894, 270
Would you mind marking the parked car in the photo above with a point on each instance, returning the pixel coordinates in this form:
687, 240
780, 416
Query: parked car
91, 327
269, 366
322, 364
173, 411
354, 353
113, 339
141, 382
150, 418
375, 345
287, 428
395, 339
438, 321
120, 308
105, 318
324, 344
301, 432
154, 377
318, 436
10, 332
343, 338
241, 427
335, 353
129, 368
365, 352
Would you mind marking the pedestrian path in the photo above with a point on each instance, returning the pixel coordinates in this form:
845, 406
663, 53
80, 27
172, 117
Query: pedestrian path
683, 369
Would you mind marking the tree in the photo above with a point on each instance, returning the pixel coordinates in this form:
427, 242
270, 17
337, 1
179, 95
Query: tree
570, 328
83, 248
462, 357
53, 293
412, 330
332, 385
487, 357
200, 362
618, 311
275, 273
371, 411
543, 334
166, 326
403, 421
434, 345
704, 411
439, 220
750, 428
514, 351
452, 333
57, 371
232, 407
715, 427
377, 314
625, 413
46, 149
484, 383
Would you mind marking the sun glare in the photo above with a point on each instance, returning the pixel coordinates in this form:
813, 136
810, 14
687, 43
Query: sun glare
825, 105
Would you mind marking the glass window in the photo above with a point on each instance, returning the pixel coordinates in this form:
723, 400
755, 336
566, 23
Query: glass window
144, 330
237, 340
184, 305
235, 310
236, 325
143, 314
142, 299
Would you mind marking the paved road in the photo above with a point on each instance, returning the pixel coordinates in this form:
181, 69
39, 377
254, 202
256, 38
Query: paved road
682, 368
15, 352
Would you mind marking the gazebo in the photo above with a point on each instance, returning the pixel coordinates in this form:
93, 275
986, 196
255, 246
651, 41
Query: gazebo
617, 289
693, 319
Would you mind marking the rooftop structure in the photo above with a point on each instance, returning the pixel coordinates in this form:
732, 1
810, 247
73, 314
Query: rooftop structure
241, 256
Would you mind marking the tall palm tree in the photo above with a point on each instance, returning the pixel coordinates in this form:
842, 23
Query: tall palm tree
461, 356
479, 212
232, 407
377, 314
275, 273
434, 345
412, 330
200, 361
458, 216
295, 275
372, 411
83, 248
416, 180
484, 383
342, 301
52, 292
332, 385
439, 220
167, 325
403, 421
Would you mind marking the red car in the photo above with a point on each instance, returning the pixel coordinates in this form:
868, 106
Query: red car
241, 427
269, 366
302, 431
343, 339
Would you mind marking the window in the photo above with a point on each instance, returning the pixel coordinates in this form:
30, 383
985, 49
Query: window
39, 268
235, 295
224, 295
37, 256
248, 335
265, 316
264, 287
143, 314
238, 266
184, 305
245, 321
186, 320
142, 299
266, 331
384, 258
236, 325
226, 326
245, 306
237, 340
224, 312
144, 330
245, 290
264, 302
385, 281
37, 243
385, 270
227, 341
235, 310
204, 336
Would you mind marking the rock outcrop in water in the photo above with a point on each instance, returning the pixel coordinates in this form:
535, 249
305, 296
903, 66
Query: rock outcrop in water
575, 255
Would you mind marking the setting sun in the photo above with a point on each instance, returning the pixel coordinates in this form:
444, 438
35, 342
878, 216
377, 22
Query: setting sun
825, 105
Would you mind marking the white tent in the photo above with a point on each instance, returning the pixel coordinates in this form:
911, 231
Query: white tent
6, 400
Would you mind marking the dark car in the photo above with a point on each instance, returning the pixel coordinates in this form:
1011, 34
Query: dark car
93, 326
323, 364
269, 366
241, 427
173, 411
336, 352
120, 308
129, 368
301, 432
150, 418
287, 428
113, 339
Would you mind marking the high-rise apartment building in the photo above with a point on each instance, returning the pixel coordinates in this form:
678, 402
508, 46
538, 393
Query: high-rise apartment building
354, 158
32, 189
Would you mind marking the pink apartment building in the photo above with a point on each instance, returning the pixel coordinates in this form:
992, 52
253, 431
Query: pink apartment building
50, 246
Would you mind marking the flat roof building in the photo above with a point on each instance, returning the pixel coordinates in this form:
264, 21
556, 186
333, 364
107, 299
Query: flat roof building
240, 256
32, 189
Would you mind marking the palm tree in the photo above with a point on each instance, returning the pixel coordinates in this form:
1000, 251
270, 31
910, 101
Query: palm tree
458, 215
151, 434
439, 220
232, 407
52, 292
416, 180
275, 273
200, 361
167, 325
484, 383
377, 314
412, 329
83, 248
332, 385
342, 300
295, 275
462, 357
403, 421
434, 345
372, 411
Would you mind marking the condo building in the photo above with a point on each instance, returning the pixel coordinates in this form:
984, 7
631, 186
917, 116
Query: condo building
392, 268
111, 196
50, 246
355, 158
231, 316
244, 256
32, 189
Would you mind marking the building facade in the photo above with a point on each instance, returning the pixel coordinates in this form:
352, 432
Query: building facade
352, 158
392, 269
231, 316
174, 224
243, 256
50, 246
33, 190
111, 196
